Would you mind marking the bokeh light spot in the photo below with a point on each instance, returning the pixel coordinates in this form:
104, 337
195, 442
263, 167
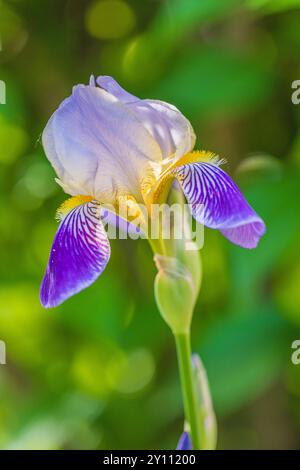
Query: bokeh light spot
109, 19
13, 141
132, 373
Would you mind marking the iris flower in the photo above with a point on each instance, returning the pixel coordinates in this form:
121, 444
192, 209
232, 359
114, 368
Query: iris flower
105, 145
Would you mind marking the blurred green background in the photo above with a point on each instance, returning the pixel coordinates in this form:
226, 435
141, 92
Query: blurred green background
100, 371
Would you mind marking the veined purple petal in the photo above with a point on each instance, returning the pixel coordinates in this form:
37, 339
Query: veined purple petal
79, 254
249, 233
217, 202
185, 442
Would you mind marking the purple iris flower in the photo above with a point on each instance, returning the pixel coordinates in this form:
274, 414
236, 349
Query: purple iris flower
107, 146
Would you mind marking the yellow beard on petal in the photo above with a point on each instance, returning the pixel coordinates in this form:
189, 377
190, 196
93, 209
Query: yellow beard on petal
159, 192
69, 204
128, 208
195, 156
150, 180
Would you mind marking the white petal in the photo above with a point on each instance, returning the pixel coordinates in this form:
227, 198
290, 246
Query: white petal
167, 125
98, 146
110, 85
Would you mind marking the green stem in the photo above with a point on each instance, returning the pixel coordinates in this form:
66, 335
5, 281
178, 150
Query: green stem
183, 347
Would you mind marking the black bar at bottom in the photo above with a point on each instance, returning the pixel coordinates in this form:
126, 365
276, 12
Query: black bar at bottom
135, 458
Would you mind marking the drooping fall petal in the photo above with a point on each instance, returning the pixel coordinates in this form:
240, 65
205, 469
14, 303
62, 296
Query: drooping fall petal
79, 254
217, 202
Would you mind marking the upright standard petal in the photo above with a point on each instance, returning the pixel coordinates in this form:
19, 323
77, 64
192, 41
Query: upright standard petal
217, 202
171, 130
79, 253
98, 146
111, 86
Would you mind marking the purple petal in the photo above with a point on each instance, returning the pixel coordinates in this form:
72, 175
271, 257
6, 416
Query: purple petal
79, 254
165, 123
217, 202
250, 234
120, 225
185, 442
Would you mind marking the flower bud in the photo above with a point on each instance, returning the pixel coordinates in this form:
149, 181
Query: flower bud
207, 416
185, 442
175, 293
